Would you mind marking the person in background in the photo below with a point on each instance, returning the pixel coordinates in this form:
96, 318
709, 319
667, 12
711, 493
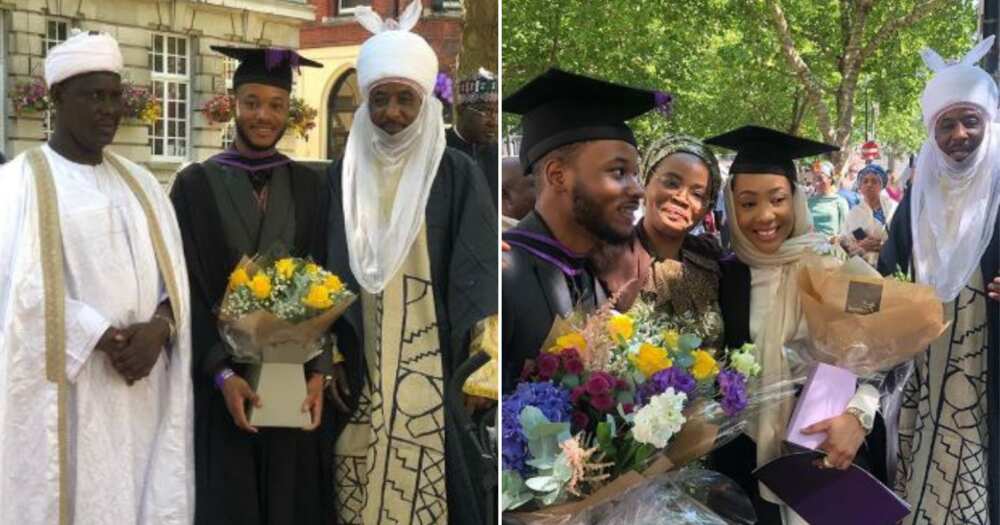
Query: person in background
895, 188
828, 208
475, 129
847, 186
866, 227
518, 191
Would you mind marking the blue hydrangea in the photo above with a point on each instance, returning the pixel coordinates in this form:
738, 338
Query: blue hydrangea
552, 400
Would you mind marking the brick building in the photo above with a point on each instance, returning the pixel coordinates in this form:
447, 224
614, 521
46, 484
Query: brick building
165, 46
334, 39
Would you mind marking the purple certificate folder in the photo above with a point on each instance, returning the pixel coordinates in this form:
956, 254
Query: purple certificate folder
830, 496
826, 394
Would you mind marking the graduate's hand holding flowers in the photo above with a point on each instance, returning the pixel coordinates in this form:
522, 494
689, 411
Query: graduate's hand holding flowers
237, 393
314, 400
844, 435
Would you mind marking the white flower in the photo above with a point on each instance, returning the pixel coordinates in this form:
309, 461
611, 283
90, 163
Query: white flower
660, 419
744, 362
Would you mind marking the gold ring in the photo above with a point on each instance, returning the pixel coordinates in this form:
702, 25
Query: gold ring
826, 462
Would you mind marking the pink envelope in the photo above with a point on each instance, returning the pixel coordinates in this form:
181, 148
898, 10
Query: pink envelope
826, 394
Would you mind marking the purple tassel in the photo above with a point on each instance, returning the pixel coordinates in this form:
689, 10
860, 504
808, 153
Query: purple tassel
443, 87
664, 102
273, 58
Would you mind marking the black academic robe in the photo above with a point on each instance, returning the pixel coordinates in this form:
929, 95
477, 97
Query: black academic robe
486, 156
897, 254
535, 291
738, 459
278, 476
462, 245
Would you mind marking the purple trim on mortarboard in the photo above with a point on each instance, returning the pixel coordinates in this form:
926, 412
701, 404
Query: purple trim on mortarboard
563, 267
664, 102
231, 157
273, 58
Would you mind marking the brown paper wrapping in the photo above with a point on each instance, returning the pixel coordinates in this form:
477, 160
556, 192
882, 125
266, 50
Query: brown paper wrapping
262, 329
695, 439
906, 318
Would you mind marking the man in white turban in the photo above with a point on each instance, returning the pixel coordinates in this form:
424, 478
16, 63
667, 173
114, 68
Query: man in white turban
413, 227
945, 235
95, 389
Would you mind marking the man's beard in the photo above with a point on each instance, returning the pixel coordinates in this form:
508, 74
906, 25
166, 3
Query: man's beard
586, 212
246, 140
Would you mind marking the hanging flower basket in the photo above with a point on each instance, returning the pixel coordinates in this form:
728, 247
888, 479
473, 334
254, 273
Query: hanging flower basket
30, 97
140, 104
219, 109
301, 117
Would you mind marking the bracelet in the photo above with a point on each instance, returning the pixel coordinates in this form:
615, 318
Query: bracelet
222, 376
170, 326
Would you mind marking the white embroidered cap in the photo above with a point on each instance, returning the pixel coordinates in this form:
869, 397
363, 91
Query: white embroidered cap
961, 82
83, 52
394, 52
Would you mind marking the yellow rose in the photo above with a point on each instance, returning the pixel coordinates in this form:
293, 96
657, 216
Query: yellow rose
621, 326
333, 283
238, 278
312, 269
651, 359
285, 267
671, 338
704, 365
570, 340
318, 297
261, 286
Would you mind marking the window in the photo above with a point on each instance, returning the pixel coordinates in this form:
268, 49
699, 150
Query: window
452, 4
55, 34
171, 76
229, 66
346, 7
228, 134
345, 97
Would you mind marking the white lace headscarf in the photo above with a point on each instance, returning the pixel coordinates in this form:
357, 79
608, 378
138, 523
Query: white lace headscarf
394, 54
954, 204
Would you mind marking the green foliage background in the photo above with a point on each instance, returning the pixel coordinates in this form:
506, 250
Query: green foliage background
723, 61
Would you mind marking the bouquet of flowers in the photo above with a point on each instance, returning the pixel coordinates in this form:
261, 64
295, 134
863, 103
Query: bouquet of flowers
219, 109
275, 315
301, 117
612, 400
30, 96
140, 104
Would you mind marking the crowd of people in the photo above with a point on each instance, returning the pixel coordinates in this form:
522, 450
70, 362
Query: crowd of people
926, 432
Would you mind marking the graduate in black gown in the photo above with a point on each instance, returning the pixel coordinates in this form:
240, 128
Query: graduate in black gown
772, 231
475, 129
586, 165
244, 201
412, 228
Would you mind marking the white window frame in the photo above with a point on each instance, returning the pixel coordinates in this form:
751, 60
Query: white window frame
229, 66
452, 4
343, 11
48, 42
227, 135
165, 79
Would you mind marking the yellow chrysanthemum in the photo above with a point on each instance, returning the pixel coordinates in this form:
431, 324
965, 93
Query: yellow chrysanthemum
285, 267
621, 325
671, 338
238, 278
333, 283
651, 359
704, 365
261, 286
570, 340
318, 297
312, 269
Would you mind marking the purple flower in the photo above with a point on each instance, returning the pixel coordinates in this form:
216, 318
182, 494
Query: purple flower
664, 102
603, 402
733, 387
442, 87
552, 400
659, 382
548, 365
599, 383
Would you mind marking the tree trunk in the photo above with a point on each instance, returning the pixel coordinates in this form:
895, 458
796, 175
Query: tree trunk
479, 38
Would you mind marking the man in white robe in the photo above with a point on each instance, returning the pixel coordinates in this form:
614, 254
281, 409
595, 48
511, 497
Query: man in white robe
106, 438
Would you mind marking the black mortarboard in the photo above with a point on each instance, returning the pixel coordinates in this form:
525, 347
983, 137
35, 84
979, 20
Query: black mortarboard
259, 65
764, 150
561, 108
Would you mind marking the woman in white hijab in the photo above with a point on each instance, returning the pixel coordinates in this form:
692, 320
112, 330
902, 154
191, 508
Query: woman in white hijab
945, 235
771, 234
